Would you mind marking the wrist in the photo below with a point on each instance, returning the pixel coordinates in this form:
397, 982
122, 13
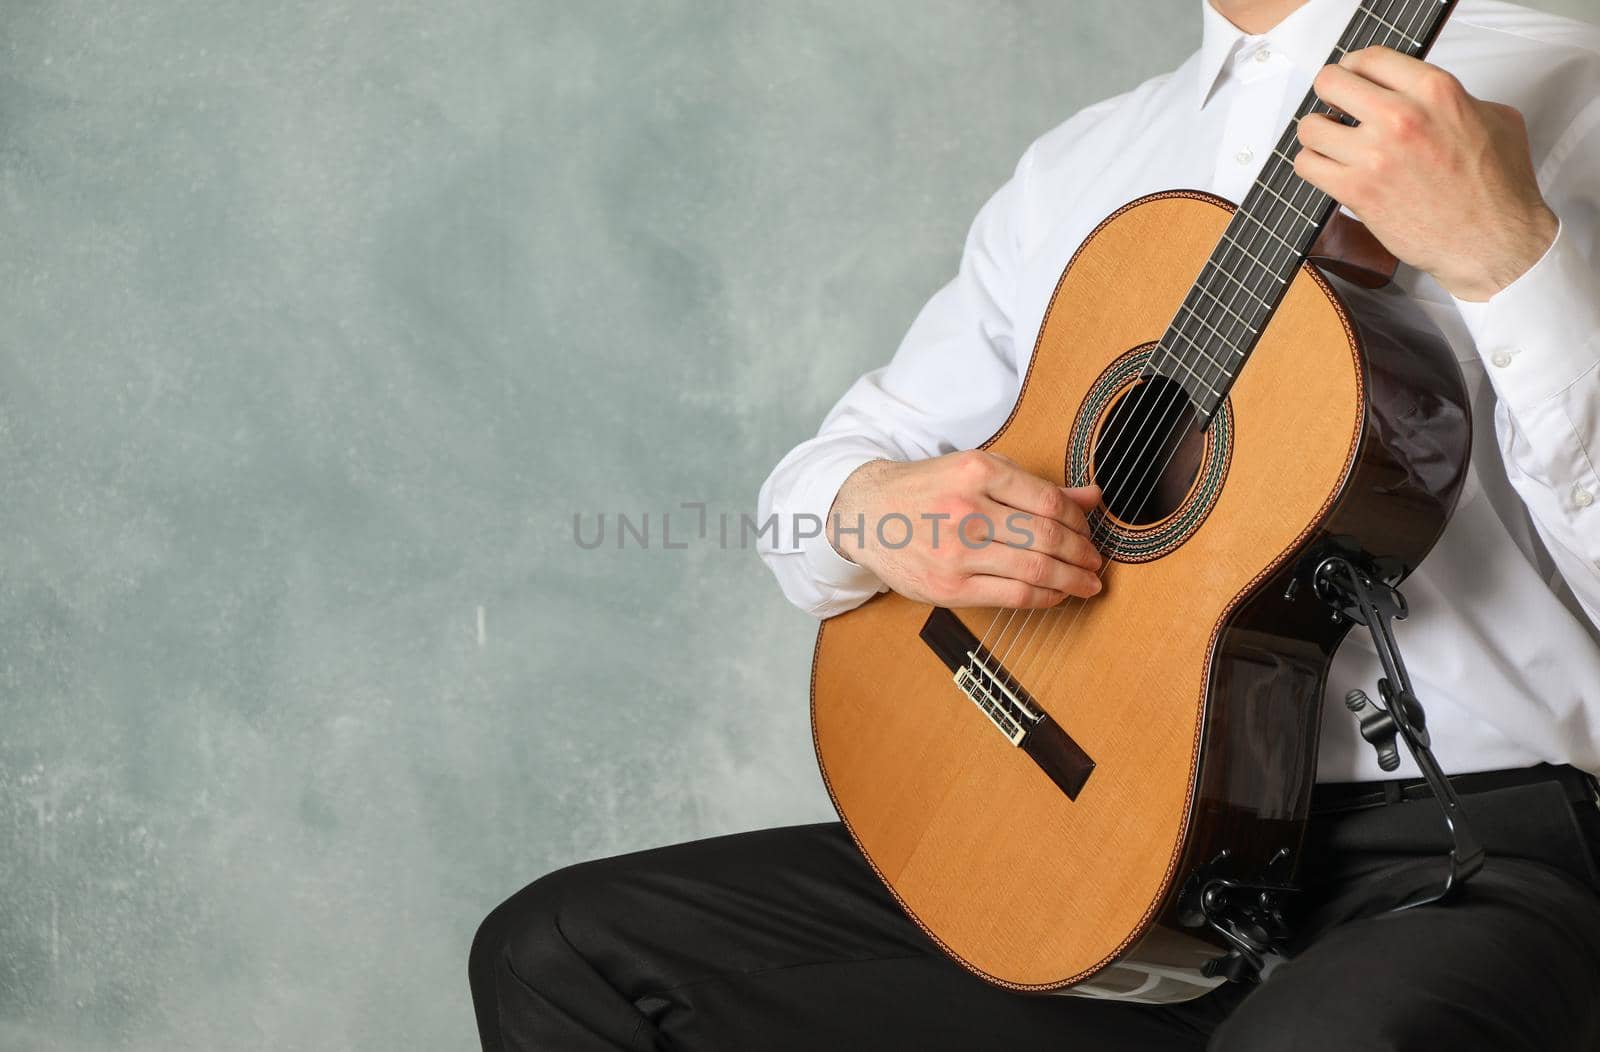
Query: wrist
1526, 241
849, 504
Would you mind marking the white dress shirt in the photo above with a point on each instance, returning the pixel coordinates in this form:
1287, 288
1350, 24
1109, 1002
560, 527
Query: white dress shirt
1502, 640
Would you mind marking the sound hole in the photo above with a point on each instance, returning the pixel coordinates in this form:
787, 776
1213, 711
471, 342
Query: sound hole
1148, 451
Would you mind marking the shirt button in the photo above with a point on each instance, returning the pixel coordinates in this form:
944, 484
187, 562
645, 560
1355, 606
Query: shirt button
1582, 497
1501, 359
1264, 55
1245, 156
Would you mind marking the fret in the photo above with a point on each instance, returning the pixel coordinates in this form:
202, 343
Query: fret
1272, 272
1289, 204
1271, 258
1200, 287
1368, 22
1274, 227
1413, 29
1235, 279
1290, 139
1375, 17
1407, 16
1190, 370
1429, 25
1270, 232
1221, 369
1225, 341
1328, 111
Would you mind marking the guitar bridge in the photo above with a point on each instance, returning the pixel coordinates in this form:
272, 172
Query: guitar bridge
1005, 709
1006, 703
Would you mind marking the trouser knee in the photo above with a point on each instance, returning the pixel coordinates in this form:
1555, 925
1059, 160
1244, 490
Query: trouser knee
524, 933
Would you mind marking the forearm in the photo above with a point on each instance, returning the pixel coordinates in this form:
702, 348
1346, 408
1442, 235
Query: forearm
948, 387
1539, 340
792, 514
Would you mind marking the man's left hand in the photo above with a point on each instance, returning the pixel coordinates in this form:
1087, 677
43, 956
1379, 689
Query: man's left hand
1443, 179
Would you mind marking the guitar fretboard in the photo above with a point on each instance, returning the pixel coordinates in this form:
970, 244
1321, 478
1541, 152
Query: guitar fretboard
1230, 304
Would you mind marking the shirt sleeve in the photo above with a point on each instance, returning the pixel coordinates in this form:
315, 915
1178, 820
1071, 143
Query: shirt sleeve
950, 386
1539, 339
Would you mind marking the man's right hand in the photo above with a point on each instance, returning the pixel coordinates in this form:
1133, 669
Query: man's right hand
968, 529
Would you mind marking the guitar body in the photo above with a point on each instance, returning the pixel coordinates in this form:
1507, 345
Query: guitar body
1184, 700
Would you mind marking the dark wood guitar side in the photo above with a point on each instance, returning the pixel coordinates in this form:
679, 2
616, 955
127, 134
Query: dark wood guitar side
1089, 800
1182, 710
1259, 754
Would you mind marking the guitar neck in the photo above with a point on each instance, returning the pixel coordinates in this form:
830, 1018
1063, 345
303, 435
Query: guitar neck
1271, 232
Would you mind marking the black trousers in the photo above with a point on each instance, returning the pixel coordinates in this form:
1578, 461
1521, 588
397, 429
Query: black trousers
784, 940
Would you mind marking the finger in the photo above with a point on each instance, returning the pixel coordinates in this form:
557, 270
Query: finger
1350, 92
1034, 569
1002, 592
1047, 536
1328, 137
1324, 173
1018, 489
1388, 68
1086, 497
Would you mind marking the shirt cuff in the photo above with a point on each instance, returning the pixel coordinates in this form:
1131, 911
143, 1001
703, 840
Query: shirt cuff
827, 567
1541, 333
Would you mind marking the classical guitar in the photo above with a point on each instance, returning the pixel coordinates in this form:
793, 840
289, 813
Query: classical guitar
1105, 798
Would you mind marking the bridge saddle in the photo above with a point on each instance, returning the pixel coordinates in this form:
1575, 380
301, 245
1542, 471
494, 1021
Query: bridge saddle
1013, 716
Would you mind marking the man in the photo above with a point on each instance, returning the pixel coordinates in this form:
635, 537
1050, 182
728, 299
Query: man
785, 940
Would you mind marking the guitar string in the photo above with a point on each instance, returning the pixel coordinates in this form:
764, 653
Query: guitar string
1241, 249
1384, 26
1388, 16
1381, 23
1180, 326
1198, 312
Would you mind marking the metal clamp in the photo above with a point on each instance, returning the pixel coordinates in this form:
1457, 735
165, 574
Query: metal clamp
1364, 598
1246, 913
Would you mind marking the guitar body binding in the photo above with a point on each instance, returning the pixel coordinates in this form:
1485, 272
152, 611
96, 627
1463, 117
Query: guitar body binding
1177, 713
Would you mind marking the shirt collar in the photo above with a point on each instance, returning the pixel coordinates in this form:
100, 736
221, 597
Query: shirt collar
1305, 38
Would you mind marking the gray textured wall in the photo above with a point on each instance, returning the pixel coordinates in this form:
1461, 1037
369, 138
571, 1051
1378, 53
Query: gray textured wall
318, 322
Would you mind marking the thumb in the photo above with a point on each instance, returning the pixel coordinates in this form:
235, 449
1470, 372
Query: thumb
1085, 497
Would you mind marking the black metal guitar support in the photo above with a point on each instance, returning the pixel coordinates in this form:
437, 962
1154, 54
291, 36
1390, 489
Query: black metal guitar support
1363, 597
1247, 913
